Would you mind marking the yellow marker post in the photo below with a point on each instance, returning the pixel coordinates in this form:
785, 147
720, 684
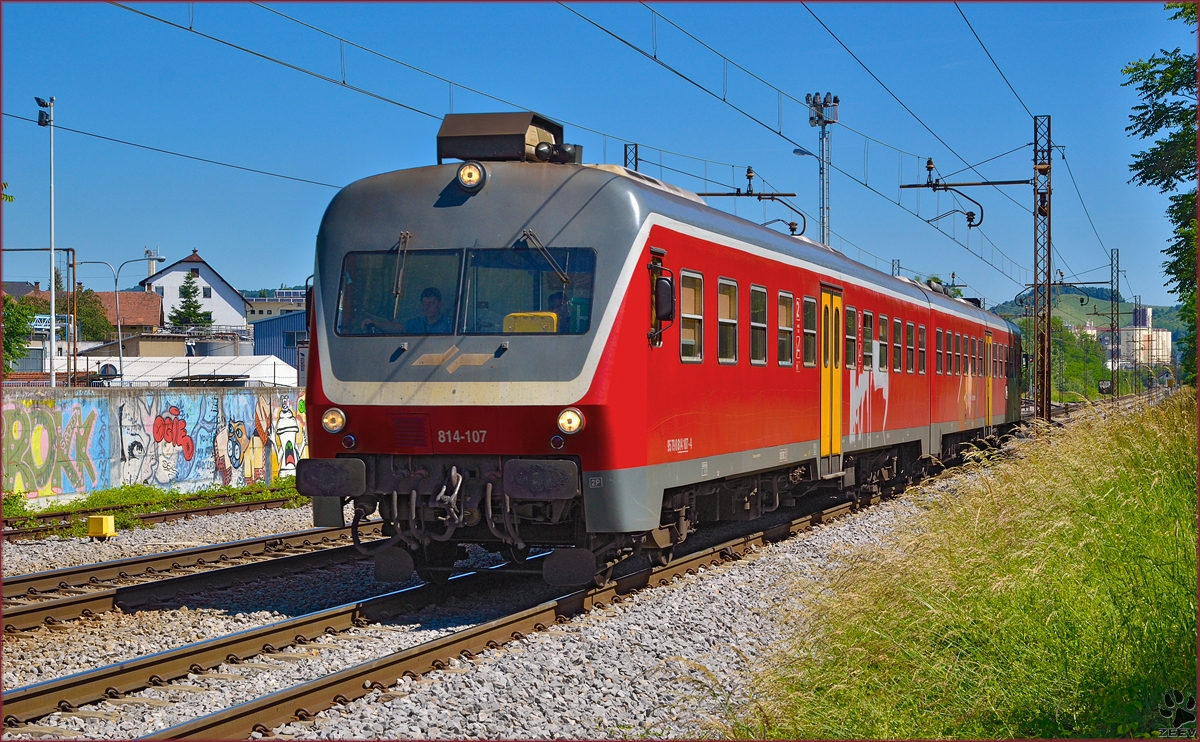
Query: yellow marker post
101, 526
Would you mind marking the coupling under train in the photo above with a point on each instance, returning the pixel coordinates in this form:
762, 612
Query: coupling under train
519, 350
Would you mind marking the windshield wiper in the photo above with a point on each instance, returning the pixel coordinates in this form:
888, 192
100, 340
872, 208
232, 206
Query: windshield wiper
532, 239
401, 260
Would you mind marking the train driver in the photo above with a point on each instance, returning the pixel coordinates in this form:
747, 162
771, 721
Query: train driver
431, 321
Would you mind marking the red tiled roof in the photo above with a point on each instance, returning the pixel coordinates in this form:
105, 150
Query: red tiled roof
193, 258
138, 308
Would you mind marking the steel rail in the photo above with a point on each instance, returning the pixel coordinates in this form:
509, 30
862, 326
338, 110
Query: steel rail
69, 692
86, 595
304, 700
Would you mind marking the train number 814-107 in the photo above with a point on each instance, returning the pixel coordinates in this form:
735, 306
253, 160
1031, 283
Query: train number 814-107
461, 436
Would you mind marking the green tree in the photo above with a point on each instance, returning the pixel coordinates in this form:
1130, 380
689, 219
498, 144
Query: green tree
4, 195
17, 317
189, 311
1166, 84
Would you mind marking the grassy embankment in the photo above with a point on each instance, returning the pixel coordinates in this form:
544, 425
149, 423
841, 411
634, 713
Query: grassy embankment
129, 500
1053, 594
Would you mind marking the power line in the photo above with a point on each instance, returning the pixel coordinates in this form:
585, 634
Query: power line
178, 154
905, 107
1063, 152
783, 136
989, 56
776, 88
984, 162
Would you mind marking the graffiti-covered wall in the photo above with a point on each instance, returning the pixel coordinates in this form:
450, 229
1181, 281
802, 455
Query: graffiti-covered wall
68, 442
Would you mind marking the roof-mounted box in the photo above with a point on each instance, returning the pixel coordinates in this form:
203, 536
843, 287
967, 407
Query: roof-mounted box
496, 136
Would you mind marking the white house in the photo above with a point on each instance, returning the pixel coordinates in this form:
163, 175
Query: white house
226, 303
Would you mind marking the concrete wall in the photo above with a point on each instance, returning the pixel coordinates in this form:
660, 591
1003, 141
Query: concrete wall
62, 443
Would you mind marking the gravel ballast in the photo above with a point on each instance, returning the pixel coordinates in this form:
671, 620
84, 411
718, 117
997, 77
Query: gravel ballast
659, 663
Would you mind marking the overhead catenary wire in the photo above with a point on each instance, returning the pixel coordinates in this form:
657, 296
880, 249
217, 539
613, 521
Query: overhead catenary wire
993, 60
343, 41
179, 154
1062, 151
786, 138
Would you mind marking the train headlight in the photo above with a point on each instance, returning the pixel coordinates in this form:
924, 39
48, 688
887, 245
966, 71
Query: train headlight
570, 421
333, 420
471, 176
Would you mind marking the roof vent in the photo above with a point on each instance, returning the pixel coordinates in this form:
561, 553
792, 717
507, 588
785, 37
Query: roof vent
504, 137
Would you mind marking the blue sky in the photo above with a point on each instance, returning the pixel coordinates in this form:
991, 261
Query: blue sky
122, 75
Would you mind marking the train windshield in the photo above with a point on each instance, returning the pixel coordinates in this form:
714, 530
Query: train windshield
525, 290
393, 293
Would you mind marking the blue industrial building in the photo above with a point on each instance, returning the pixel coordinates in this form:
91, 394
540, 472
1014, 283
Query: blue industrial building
278, 336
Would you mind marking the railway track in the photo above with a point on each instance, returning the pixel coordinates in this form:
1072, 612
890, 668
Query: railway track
31, 600
58, 520
303, 700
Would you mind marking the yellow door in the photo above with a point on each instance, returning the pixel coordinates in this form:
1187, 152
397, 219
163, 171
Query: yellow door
831, 379
987, 376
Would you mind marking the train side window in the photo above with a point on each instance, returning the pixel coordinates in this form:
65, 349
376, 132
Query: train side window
787, 318
851, 336
758, 326
897, 347
868, 342
974, 365
921, 349
957, 354
883, 343
810, 331
979, 360
691, 317
908, 347
835, 341
727, 309
937, 350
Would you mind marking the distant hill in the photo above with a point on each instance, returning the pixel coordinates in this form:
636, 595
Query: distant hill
1071, 312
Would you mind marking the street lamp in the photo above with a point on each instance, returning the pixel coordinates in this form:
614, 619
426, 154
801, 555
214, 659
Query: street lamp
117, 299
46, 118
821, 113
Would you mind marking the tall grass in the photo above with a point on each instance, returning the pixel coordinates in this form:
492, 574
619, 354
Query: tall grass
1050, 593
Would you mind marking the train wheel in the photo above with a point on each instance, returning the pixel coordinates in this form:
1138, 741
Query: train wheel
436, 563
661, 557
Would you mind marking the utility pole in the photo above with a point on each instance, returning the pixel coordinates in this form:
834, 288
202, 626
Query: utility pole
47, 119
1114, 312
1042, 271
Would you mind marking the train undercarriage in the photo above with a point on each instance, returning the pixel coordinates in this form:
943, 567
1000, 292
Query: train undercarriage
431, 506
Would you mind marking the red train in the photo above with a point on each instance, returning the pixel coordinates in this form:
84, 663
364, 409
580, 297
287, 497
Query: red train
521, 350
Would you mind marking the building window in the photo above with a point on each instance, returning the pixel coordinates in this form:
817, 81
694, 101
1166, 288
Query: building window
195, 272
897, 344
268, 311
851, 337
726, 321
937, 351
291, 339
158, 290
810, 331
921, 349
883, 343
868, 342
181, 292
691, 317
206, 292
758, 326
909, 332
787, 317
